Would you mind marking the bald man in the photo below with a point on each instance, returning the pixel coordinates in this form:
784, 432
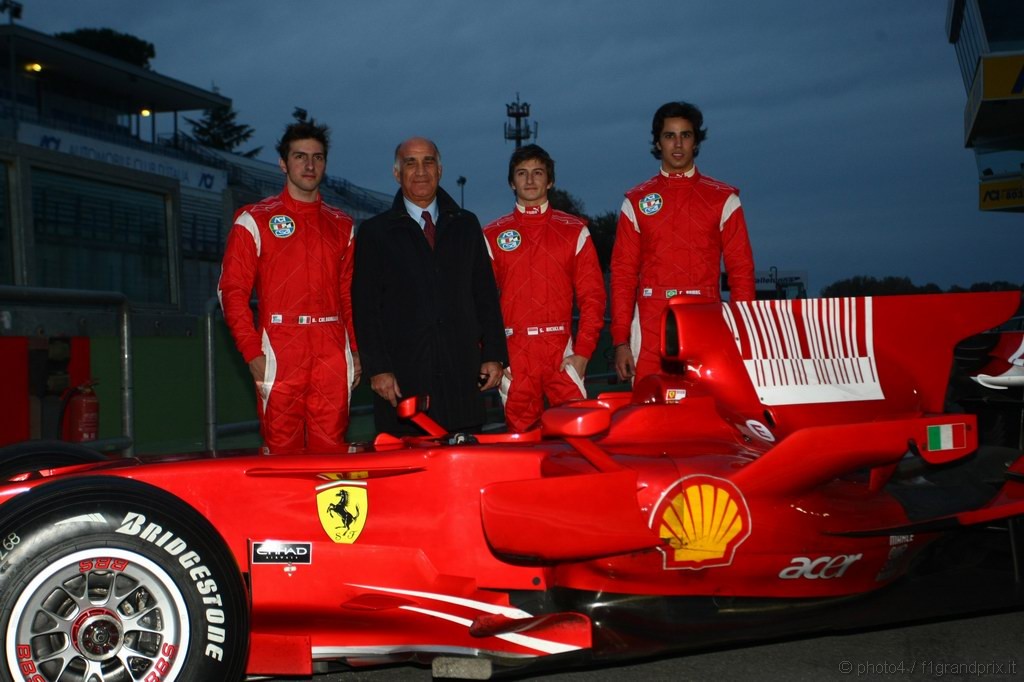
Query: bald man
424, 301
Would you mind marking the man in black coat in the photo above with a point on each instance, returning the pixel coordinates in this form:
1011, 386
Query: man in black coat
424, 301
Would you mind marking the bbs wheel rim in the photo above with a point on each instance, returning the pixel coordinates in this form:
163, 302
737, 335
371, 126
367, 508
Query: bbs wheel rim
101, 615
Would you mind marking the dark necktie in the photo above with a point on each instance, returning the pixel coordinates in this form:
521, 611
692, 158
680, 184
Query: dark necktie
429, 231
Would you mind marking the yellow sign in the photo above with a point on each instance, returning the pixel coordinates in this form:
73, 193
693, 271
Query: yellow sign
342, 511
1003, 76
1001, 195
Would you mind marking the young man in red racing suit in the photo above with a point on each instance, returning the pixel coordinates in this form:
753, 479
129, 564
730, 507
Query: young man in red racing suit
297, 251
541, 258
673, 232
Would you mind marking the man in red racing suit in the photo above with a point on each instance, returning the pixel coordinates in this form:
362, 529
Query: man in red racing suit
673, 232
541, 258
297, 252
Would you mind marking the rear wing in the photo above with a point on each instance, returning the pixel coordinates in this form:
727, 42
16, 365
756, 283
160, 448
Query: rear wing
800, 363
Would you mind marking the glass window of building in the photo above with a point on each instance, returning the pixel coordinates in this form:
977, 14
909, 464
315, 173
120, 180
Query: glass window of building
1004, 24
99, 236
6, 247
970, 47
202, 247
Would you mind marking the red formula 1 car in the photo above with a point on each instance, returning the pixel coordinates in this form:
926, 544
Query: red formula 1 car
795, 455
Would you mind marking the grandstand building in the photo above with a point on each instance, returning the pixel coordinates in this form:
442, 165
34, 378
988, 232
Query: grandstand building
93, 199
988, 36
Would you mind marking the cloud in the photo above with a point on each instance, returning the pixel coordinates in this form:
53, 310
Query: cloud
841, 123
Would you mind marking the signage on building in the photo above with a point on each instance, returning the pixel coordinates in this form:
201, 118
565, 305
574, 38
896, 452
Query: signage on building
774, 280
1001, 195
774, 283
1003, 76
190, 175
999, 78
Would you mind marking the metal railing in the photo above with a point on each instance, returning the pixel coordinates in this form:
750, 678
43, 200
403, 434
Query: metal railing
47, 296
214, 430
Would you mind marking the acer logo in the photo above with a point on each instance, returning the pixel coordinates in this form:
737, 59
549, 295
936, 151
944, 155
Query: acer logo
824, 567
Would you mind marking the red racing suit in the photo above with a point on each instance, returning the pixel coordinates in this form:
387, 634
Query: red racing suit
541, 258
299, 256
672, 235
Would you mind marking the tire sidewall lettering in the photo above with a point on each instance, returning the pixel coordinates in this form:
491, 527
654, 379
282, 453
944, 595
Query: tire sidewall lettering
10, 543
43, 528
135, 524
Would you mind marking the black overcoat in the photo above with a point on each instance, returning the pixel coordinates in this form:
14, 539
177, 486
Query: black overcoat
430, 317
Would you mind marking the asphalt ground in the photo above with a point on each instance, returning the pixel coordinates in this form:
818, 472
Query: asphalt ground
961, 619
989, 647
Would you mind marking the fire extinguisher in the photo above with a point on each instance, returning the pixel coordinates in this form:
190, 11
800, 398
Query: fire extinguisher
80, 413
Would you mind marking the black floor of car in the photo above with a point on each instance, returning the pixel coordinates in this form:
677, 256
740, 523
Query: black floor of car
928, 492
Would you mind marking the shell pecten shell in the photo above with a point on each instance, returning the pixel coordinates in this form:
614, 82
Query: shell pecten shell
702, 519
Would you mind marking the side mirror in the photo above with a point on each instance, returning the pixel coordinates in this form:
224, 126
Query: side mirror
415, 410
410, 407
575, 422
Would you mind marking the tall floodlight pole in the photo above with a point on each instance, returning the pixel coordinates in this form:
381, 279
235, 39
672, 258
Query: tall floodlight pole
520, 130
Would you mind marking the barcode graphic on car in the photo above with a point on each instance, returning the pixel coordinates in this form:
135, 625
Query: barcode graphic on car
806, 351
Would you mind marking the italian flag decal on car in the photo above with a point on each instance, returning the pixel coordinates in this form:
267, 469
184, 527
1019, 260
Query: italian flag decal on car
947, 437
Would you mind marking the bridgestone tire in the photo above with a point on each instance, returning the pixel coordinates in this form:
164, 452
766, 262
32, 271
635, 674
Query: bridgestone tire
34, 455
111, 580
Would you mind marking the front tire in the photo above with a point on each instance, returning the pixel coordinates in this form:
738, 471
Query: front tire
34, 455
110, 580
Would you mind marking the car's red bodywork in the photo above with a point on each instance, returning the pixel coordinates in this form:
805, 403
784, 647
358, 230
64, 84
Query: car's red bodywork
762, 466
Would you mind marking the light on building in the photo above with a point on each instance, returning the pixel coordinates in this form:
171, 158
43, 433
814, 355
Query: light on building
34, 67
145, 113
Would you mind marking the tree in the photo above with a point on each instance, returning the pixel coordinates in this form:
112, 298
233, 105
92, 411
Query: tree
563, 201
602, 227
219, 130
888, 286
112, 43
602, 231
870, 286
998, 285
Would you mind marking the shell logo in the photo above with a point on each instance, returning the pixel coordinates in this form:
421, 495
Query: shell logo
702, 520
